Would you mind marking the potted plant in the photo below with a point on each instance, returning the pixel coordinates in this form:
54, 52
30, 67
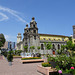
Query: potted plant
10, 57
46, 64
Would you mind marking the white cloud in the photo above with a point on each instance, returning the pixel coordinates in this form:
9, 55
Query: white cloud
4, 17
14, 13
9, 37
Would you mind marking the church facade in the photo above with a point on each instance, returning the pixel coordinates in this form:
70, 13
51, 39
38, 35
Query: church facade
33, 38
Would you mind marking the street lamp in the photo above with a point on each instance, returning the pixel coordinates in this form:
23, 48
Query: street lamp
0, 51
10, 46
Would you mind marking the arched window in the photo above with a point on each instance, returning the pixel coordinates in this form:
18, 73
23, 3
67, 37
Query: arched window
34, 31
53, 46
34, 26
44, 38
49, 39
58, 46
42, 47
58, 39
27, 30
35, 37
54, 39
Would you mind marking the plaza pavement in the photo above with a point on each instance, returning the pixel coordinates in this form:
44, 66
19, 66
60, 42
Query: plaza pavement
18, 68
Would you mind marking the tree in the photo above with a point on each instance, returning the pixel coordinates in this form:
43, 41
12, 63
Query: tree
73, 47
1, 44
61, 51
69, 45
18, 52
38, 48
32, 48
70, 38
48, 46
2, 40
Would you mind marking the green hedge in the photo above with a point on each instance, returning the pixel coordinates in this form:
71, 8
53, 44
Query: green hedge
30, 58
46, 64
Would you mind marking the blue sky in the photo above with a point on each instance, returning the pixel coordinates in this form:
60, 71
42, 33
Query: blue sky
52, 16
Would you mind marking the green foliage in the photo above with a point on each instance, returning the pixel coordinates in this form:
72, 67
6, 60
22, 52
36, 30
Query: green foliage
38, 54
63, 60
63, 47
2, 40
5, 54
10, 56
65, 63
48, 46
73, 54
38, 47
18, 52
50, 58
59, 51
73, 48
1, 44
30, 58
46, 64
32, 48
69, 45
70, 38
26, 48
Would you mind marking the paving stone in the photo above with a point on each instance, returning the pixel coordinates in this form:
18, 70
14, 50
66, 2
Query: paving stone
18, 68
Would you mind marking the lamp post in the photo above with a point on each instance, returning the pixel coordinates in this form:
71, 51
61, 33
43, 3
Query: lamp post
0, 47
0, 52
10, 46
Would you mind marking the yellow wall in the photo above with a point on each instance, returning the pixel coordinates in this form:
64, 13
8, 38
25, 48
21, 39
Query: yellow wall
57, 38
73, 41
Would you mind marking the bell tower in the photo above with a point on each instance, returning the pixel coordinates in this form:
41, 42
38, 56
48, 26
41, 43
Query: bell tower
33, 31
33, 26
73, 31
31, 36
19, 37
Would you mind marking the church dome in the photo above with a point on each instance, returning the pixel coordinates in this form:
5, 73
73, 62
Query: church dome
33, 19
19, 33
26, 26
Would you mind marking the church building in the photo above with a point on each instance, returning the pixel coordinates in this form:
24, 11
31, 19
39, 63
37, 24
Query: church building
33, 38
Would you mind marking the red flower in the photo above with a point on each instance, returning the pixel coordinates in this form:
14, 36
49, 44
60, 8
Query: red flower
72, 67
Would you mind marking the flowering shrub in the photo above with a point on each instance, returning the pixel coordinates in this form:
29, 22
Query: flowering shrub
60, 71
72, 67
71, 70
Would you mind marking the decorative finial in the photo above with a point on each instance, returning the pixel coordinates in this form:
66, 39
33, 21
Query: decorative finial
33, 18
26, 25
